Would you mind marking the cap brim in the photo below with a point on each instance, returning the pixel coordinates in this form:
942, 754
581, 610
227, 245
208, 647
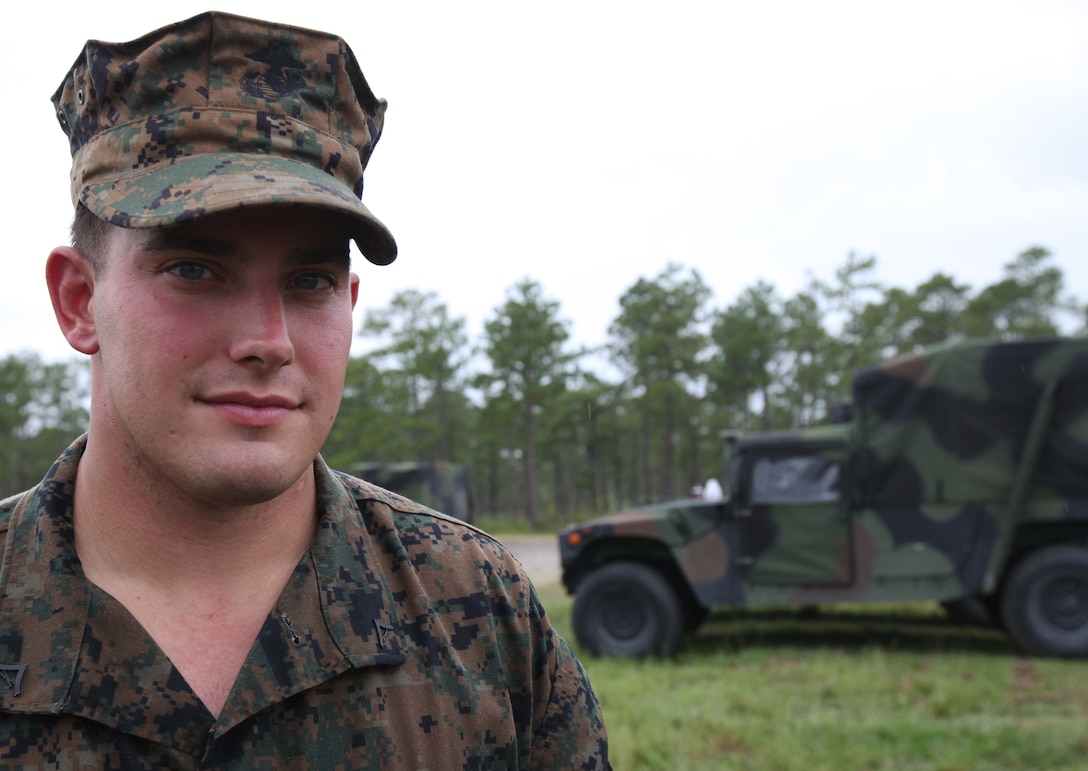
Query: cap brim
213, 183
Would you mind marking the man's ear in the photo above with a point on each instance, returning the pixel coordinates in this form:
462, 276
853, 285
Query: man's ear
70, 277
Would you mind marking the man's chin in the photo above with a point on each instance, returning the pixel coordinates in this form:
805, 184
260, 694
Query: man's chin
246, 480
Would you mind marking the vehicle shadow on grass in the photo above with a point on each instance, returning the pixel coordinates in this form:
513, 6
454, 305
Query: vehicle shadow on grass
846, 630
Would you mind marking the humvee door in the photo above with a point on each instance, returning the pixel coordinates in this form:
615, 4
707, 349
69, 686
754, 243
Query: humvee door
793, 524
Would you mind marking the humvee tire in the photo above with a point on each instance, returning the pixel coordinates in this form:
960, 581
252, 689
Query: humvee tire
1045, 603
627, 609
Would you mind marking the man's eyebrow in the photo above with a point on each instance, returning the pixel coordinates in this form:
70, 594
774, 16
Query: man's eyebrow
172, 241
318, 255
169, 240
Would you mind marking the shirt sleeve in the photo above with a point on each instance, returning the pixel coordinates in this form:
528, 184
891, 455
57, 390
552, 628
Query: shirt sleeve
568, 728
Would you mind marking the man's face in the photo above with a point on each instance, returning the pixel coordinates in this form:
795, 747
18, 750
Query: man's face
222, 347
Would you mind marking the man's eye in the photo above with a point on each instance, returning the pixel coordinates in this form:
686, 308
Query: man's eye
190, 271
313, 282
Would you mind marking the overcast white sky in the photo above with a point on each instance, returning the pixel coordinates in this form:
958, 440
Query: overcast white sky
586, 144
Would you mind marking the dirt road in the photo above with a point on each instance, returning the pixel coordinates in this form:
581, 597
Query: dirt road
539, 554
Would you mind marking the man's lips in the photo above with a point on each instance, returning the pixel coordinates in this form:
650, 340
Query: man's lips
251, 400
251, 409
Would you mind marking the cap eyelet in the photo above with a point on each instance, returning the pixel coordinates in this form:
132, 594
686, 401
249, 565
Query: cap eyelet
79, 96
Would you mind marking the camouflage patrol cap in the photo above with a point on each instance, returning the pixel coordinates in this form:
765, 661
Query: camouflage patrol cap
217, 113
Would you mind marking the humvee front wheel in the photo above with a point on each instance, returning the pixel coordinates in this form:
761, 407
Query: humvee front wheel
1045, 604
627, 609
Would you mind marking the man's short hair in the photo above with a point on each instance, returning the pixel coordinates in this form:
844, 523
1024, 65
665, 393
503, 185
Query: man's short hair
90, 236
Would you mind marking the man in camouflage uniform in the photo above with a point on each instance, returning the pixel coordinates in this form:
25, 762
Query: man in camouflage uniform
191, 586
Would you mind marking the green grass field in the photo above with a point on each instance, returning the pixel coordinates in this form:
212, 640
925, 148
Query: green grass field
864, 687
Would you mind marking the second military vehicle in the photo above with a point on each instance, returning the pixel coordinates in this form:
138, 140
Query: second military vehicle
960, 476
441, 485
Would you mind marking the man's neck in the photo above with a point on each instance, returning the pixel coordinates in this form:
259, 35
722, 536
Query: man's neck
173, 540
200, 580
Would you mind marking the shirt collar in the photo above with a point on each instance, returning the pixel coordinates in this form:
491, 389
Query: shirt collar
337, 611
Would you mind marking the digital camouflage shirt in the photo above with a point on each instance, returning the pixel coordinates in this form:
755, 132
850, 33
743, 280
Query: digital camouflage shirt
404, 639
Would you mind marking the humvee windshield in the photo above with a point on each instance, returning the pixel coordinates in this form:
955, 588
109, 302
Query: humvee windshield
798, 478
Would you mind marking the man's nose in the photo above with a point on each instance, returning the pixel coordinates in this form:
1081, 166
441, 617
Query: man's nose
263, 334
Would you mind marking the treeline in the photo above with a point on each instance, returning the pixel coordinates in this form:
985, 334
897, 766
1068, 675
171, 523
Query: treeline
544, 431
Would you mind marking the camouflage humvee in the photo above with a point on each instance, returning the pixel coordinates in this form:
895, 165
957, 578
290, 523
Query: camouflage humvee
440, 485
961, 476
